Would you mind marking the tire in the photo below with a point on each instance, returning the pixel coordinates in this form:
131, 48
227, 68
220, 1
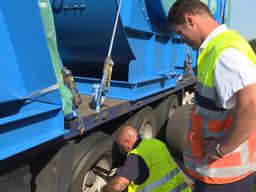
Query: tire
172, 105
99, 152
145, 121
176, 129
163, 113
118, 157
166, 109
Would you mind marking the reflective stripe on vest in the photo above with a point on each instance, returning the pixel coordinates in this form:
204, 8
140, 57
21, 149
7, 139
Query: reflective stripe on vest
181, 188
163, 180
210, 120
164, 174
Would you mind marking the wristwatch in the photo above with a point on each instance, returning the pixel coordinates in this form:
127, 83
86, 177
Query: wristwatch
218, 151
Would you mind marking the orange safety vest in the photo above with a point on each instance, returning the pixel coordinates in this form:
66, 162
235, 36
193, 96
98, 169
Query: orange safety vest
210, 120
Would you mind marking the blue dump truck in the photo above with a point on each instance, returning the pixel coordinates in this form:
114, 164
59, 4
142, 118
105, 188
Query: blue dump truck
74, 71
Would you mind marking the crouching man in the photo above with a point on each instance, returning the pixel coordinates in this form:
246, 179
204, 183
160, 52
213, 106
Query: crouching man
149, 166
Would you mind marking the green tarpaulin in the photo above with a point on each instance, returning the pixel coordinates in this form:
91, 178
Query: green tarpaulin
47, 18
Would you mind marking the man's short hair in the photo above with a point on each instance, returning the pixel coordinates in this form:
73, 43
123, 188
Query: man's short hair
181, 7
122, 128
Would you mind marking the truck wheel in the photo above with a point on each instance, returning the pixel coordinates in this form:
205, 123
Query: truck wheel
163, 112
172, 105
166, 109
145, 121
176, 129
87, 174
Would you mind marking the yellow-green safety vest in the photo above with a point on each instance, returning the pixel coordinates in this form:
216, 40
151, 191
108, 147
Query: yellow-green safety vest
207, 59
210, 120
164, 176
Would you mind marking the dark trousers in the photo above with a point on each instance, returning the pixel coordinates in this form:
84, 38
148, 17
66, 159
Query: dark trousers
243, 185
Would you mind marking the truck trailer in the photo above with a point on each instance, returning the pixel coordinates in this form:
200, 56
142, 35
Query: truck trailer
72, 73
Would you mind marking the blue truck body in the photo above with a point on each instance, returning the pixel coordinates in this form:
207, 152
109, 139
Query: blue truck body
146, 52
26, 120
149, 63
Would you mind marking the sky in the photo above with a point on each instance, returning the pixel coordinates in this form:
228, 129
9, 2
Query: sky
243, 17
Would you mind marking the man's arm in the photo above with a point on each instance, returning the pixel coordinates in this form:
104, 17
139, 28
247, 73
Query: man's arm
243, 124
244, 119
116, 184
234, 80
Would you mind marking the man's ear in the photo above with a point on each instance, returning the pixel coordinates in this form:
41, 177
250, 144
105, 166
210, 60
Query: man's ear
189, 19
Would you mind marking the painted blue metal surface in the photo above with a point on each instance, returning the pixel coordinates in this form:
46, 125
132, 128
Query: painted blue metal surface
26, 68
149, 58
144, 48
157, 12
84, 36
218, 11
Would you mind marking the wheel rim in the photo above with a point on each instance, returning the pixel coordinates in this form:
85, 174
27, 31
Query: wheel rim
146, 129
93, 180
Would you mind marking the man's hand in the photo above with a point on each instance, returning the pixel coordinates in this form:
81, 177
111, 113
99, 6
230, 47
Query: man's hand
116, 184
244, 123
210, 152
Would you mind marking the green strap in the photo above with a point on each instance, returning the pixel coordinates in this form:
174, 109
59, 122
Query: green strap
47, 18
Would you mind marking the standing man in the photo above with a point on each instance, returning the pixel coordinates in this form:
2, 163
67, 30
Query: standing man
149, 167
220, 145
